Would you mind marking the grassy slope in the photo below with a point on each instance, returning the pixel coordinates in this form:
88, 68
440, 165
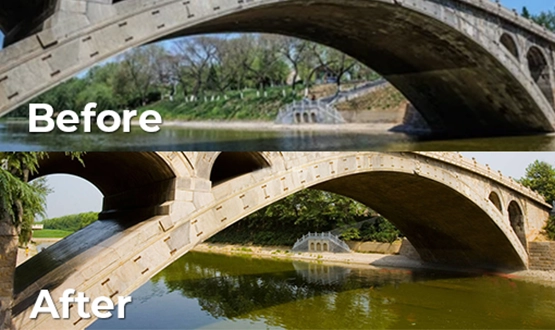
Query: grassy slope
50, 233
387, 99
260, 108
251, 107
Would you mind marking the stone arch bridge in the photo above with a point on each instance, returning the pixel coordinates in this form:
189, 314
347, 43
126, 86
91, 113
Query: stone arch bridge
158, 206
471, 67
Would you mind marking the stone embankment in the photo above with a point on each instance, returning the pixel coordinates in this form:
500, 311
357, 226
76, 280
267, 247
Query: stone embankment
407, 259
542, 256
369, 259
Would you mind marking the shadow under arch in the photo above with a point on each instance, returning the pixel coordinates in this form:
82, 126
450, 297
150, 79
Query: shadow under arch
443, 225
129, 181
540, 71
134, 185
516, 218
508, 41
496, 200
441, 75
229, 165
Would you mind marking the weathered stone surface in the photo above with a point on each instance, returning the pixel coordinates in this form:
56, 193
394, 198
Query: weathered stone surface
542, 256
374, 247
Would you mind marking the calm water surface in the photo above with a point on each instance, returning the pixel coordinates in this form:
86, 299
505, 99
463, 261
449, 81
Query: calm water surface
15, 137
222, 292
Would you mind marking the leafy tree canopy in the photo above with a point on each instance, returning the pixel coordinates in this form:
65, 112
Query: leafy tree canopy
20, 200
545, 18
540, 176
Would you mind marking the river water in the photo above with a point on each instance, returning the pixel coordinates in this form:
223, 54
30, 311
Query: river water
222, 292
15, 137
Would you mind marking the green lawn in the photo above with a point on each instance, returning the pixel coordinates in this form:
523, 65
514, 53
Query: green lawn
49, 233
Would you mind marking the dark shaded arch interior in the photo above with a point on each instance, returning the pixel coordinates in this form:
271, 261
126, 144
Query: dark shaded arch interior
516, 218
230, 165
129, 181
443, 225
509, 43
494, 198
539, 69
440, 70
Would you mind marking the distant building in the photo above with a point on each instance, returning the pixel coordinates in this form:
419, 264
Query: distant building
37, 226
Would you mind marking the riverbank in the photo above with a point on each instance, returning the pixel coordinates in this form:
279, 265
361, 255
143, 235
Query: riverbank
372, 260
367, 259
265, 126
379, 128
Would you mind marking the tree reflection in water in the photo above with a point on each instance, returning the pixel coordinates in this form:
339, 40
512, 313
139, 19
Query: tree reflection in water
239, 291
249, 288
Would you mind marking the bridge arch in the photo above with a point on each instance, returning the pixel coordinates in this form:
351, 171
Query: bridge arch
229, 165
443, 75
496, 200
134, 182
517, 220
447, 219
541, 72
508, 41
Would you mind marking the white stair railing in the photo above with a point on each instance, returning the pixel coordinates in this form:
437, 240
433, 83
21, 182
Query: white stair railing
333, 238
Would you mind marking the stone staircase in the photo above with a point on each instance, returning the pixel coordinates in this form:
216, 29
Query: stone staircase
309, 112
321, 242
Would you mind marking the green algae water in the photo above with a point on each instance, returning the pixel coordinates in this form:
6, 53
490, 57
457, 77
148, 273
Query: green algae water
206, 291
15, 137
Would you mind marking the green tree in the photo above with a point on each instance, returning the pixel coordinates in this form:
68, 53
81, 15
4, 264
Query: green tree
282, 223
20, 202
545, 18
379, 230
72, 223
139, 71
550, 228
540, 176
526, 13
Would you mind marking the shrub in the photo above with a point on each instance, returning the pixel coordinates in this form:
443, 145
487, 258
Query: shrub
380, 230
550, 228
71, 223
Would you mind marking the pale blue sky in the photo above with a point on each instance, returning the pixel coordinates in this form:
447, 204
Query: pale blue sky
71, 195
74, 195
535, 6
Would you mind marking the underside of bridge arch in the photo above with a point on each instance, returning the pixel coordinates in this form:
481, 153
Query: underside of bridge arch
229, 165
540, 71
459, 87
494, 198
444, 226
516, 217
129, 181
509, 43
134, 186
